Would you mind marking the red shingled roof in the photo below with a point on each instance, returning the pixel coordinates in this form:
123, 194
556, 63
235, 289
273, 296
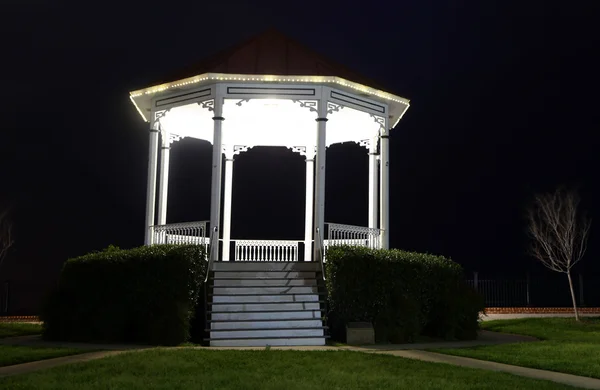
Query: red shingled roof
271, 53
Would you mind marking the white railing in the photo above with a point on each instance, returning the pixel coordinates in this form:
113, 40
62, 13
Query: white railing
339, 234
266, 250
187, 233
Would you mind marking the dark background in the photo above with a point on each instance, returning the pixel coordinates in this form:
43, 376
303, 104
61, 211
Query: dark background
504, 104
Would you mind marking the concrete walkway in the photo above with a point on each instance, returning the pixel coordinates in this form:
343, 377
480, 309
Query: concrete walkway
567, 379
25, 368
409, 351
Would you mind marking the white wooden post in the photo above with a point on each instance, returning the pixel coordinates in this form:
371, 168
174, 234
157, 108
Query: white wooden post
384, 194
151, 186
217, 168
309, 215
227, 203
373, 183
164, 179
319, 206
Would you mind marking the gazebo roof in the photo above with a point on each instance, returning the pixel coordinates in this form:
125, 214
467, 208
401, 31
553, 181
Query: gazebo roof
271, 53
270, 57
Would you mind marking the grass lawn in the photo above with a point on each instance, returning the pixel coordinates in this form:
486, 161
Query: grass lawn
567, 346
185, 368
13, 354
11, 329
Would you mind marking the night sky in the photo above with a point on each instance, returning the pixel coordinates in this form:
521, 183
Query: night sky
504, 103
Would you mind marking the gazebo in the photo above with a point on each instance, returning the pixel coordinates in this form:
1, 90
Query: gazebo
268, 91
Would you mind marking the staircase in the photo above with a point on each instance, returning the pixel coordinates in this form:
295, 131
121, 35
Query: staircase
265, 303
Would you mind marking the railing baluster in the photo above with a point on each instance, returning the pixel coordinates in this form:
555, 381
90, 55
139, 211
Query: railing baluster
190, 233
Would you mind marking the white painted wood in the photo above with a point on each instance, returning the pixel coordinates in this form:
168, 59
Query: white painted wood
215, 188
309, 323
265, 298
188, 233
309, 214
163, 190
265, 306
275, 315
265, 290
151, 185
265, 266
384, 171
373, 183
227, 206
359, 103
248, 308
271, 342
264, 274
264, 282
251, 333
340, 234
266, 250
319, 206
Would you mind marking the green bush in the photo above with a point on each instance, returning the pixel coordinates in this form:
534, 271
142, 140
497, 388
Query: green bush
144, 295
404, 294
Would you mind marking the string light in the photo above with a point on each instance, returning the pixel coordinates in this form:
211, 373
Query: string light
270, 78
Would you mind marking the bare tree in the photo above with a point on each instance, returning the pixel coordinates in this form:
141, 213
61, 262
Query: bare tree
559, 232
6, 237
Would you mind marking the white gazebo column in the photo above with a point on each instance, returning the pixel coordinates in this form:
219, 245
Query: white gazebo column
151, 186
319, 207
164, 178
373, 183
217, 168
227, 203
309, 215
384, 193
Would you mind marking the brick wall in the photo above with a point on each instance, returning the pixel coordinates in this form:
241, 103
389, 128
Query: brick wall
19, 319
540, 310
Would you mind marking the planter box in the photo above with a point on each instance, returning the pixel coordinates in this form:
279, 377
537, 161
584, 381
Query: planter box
360, 333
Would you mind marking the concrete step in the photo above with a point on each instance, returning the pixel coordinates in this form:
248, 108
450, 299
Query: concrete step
277, 306
265, 266
268, 341
265, 298
265, 315
264, 275
263, 282
254, 333
265, 290
292, 323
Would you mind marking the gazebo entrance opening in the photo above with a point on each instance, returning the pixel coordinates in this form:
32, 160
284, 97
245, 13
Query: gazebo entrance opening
268, 201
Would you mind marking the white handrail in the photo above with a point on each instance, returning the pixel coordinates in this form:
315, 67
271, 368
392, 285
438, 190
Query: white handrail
214, 239
321, 252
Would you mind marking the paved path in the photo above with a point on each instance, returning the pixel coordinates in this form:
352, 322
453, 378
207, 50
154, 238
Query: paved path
567, 379
410, 351
25, 368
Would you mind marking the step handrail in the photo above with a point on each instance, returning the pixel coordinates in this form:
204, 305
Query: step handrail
321, 252
214, 245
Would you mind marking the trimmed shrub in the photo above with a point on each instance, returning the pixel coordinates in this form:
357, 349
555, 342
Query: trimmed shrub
404, 294
144, 295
